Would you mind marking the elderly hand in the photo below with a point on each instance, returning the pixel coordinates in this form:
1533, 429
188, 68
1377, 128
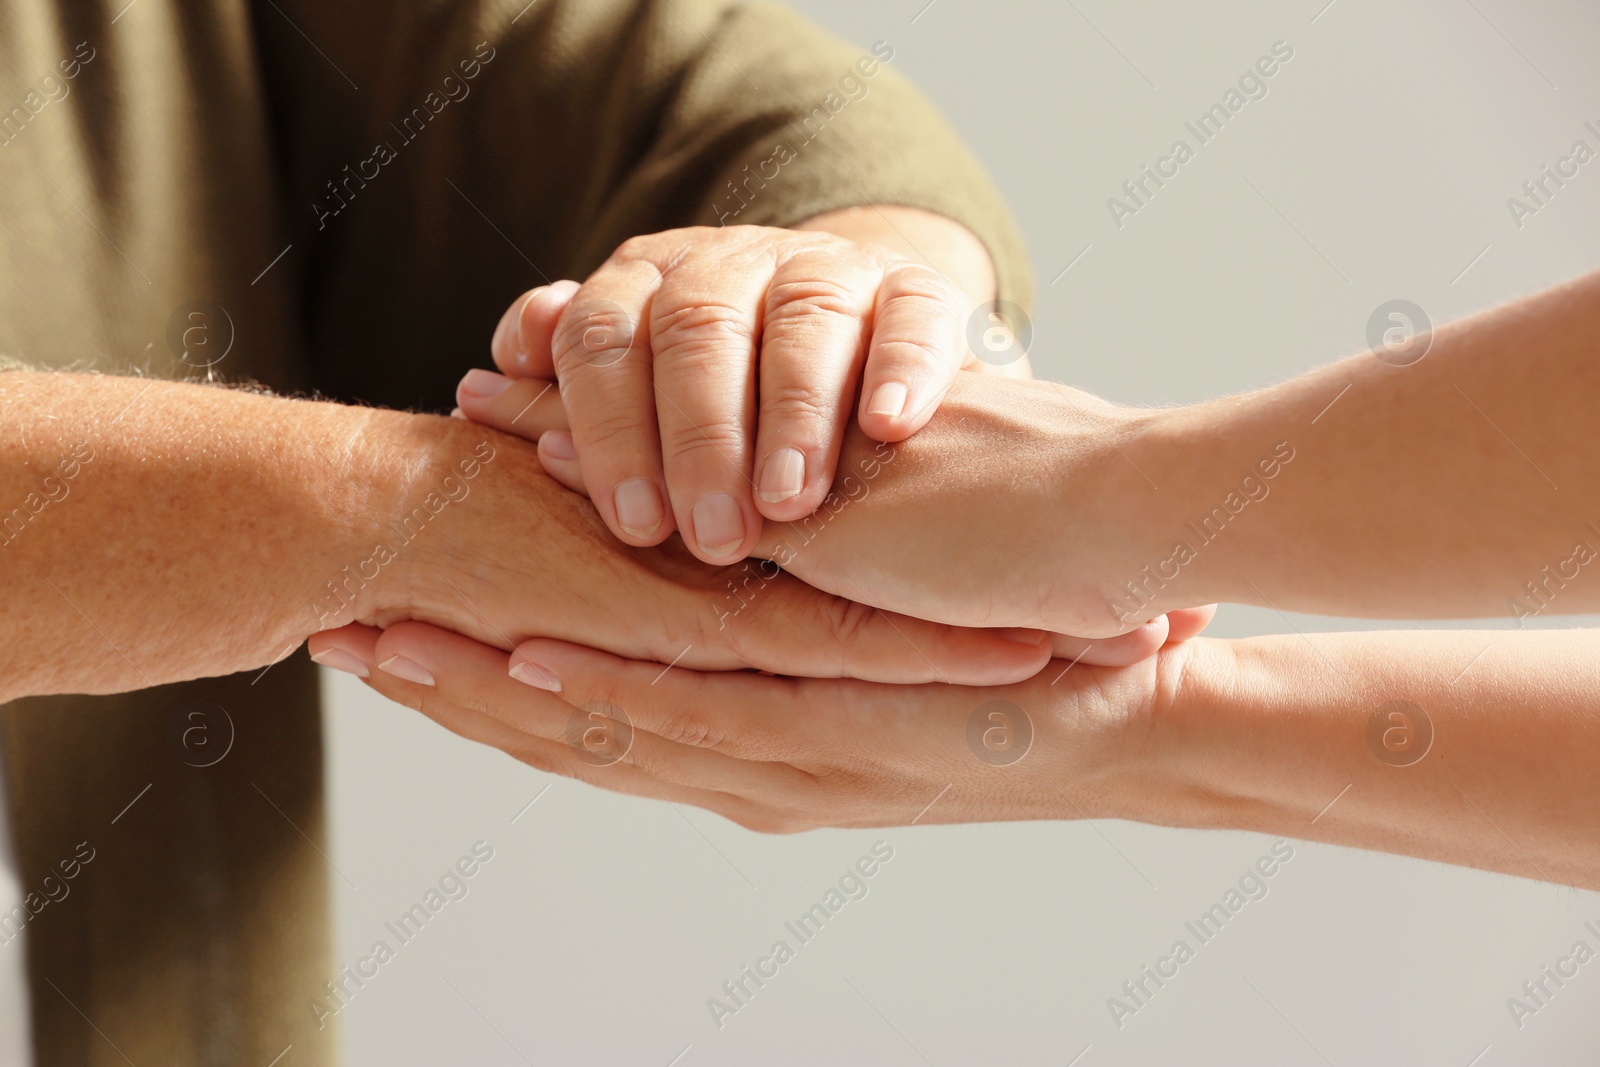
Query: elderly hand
708, 375
483, 542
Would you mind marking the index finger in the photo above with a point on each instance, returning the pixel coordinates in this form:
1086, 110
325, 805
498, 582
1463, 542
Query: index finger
604, 364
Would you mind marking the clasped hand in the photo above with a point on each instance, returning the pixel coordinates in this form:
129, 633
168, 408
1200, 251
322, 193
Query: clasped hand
702, 382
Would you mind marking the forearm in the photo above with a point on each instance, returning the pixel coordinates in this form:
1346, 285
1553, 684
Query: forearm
1439, 488
155, 531
1379, 741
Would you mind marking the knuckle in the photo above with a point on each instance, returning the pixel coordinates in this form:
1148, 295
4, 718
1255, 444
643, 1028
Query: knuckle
804, 300
849, 622
640, 247
694, 332
713, 436
913, 281
906, 351
618, 427
597, 336
797, 403
692, 728
646, 761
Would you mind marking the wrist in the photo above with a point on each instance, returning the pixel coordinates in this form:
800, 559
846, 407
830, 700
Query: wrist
1210, 471
1105, 525
1242, 738
1172, 772
1123, 742
412, 470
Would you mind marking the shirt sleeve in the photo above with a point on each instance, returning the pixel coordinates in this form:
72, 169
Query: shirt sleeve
579, 123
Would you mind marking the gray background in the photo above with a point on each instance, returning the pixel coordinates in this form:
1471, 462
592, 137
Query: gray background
1381, 161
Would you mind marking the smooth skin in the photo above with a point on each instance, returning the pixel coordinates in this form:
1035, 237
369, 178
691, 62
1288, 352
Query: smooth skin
1462, 484
1272, 734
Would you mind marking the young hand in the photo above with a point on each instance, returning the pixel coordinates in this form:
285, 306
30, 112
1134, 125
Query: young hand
781, 755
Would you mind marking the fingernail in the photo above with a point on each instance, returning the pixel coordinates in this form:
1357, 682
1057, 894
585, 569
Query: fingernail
718, 524
638, 505
408, 669
530, 673
340, 660
558, 444
484, 383
784, 475
890, 399
457, 413
501, 327
518, 347
1024, 636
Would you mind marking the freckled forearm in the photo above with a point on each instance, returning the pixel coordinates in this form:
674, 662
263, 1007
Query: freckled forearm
154, 531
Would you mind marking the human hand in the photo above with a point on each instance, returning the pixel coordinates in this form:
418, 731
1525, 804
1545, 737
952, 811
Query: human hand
1014, 506
780, 754
494, 549
719, 366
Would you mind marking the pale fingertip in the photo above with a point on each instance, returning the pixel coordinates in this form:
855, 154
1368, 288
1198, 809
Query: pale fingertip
783, 476
566, 472
482, 384
538, 312
559, 459
558, 445
538, 676
639, 508
718, 525
340, 660
408, 670
889, 400
519, 348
